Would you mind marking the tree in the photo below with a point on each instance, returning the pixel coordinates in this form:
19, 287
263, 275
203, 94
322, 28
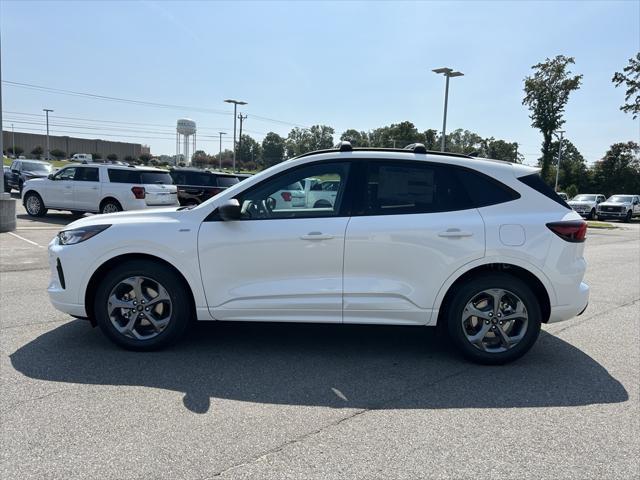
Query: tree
145, 158
357, 139
431, 139
273, 147
200, 158
501, 150
320, 137
17, 151
630, 76
619, 169
573, 167
96, 156
129, 159
112, 157
298, 142
546, 95
465, 141
57, 153
249, 151
37, 152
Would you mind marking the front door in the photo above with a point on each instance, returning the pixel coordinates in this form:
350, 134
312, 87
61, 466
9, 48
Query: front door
59, 191
278, 263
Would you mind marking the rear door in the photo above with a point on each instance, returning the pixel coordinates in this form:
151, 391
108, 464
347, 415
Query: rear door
415, 226
86, 189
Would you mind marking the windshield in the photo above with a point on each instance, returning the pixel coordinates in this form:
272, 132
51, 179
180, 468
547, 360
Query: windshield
620, 199
36, 167
584, 198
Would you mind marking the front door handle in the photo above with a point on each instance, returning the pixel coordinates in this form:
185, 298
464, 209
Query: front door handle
316, 236
455, 233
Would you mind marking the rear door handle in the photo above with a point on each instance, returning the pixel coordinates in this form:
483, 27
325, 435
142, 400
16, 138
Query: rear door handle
455, 233
316, 236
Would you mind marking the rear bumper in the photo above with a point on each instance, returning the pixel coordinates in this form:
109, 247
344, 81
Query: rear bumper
576, 307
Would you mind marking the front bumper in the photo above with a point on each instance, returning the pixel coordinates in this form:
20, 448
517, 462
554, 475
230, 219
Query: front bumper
612, 214
576, 307
63, 298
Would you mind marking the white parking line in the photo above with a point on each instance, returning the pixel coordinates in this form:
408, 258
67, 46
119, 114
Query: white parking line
26, 240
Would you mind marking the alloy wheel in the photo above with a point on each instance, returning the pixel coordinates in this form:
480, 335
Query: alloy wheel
495, 320
33, 205
139, 308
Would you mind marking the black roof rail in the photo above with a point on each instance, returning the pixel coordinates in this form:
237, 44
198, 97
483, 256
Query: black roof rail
418, 148
344, 146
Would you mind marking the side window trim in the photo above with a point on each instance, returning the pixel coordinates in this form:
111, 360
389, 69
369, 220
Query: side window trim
346, 200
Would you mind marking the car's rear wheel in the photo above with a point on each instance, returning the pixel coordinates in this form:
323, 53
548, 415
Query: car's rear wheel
627, 217
110, 206
34, 205
493, 319
142, 305
322, 204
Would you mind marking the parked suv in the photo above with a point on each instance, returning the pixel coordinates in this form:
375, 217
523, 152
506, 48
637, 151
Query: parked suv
620, 207
24, 170
195, 185
482, 248
586, 204
99, 189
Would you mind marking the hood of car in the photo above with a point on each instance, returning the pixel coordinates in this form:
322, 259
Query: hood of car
31, 173
135, 217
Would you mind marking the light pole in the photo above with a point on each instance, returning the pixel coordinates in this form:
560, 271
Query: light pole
242, 119
235, 114
448, 73
13, 142
220, 156
561, 132
46, 111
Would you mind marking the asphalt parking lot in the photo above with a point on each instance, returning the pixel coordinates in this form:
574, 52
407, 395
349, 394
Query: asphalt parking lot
314, 401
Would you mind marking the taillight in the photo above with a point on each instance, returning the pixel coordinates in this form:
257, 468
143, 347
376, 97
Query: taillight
139, 192
572, 231
286, 196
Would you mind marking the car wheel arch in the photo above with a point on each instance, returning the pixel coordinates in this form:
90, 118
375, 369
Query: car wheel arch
524, 274
100, 272
109, 199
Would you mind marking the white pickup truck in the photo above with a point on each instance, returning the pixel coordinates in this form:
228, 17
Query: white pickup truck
100, 189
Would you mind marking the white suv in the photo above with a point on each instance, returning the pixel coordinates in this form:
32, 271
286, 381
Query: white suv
484, 249
99, 188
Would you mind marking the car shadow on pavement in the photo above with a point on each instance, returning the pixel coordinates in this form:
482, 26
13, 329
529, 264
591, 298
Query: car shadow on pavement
322, 365
49, 219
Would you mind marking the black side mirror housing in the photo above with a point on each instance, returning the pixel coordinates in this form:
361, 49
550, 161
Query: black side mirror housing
50, 176
230, 210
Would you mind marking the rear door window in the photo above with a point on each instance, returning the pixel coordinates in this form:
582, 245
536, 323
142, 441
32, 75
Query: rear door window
87, 174
395, 188
227, 181
121, 175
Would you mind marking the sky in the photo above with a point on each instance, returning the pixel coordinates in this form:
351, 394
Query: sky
357, 65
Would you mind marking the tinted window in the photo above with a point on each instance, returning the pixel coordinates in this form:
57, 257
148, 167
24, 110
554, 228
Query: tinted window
535, 181
156, 177
284, 197
402, 187
202, 179
224, 181
483, 190
121, 175
86, 174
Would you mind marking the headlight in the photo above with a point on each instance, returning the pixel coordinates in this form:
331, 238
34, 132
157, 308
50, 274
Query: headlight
77, 235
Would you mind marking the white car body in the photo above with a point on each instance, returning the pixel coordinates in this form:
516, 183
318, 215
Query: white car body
85, 188
82, 157
620, 207
359, 269
321, 193
586, 204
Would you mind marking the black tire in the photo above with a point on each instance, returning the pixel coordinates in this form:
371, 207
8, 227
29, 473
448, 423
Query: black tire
20, 186
592, 214
34, 205
180, 315
468, 290
322, 204
627, 217
108, 204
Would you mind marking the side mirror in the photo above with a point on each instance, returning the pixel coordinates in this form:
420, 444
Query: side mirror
230, 210
50, 176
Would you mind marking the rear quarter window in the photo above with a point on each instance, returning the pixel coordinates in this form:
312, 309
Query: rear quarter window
535, 181
485, 191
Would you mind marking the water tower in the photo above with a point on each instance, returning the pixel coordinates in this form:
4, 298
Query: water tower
186, 128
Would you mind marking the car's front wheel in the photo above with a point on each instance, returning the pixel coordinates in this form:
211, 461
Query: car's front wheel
493, 318
592, 214
627, 217
142, 305
34, 205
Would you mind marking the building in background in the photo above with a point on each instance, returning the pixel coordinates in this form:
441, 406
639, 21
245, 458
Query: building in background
70, 145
